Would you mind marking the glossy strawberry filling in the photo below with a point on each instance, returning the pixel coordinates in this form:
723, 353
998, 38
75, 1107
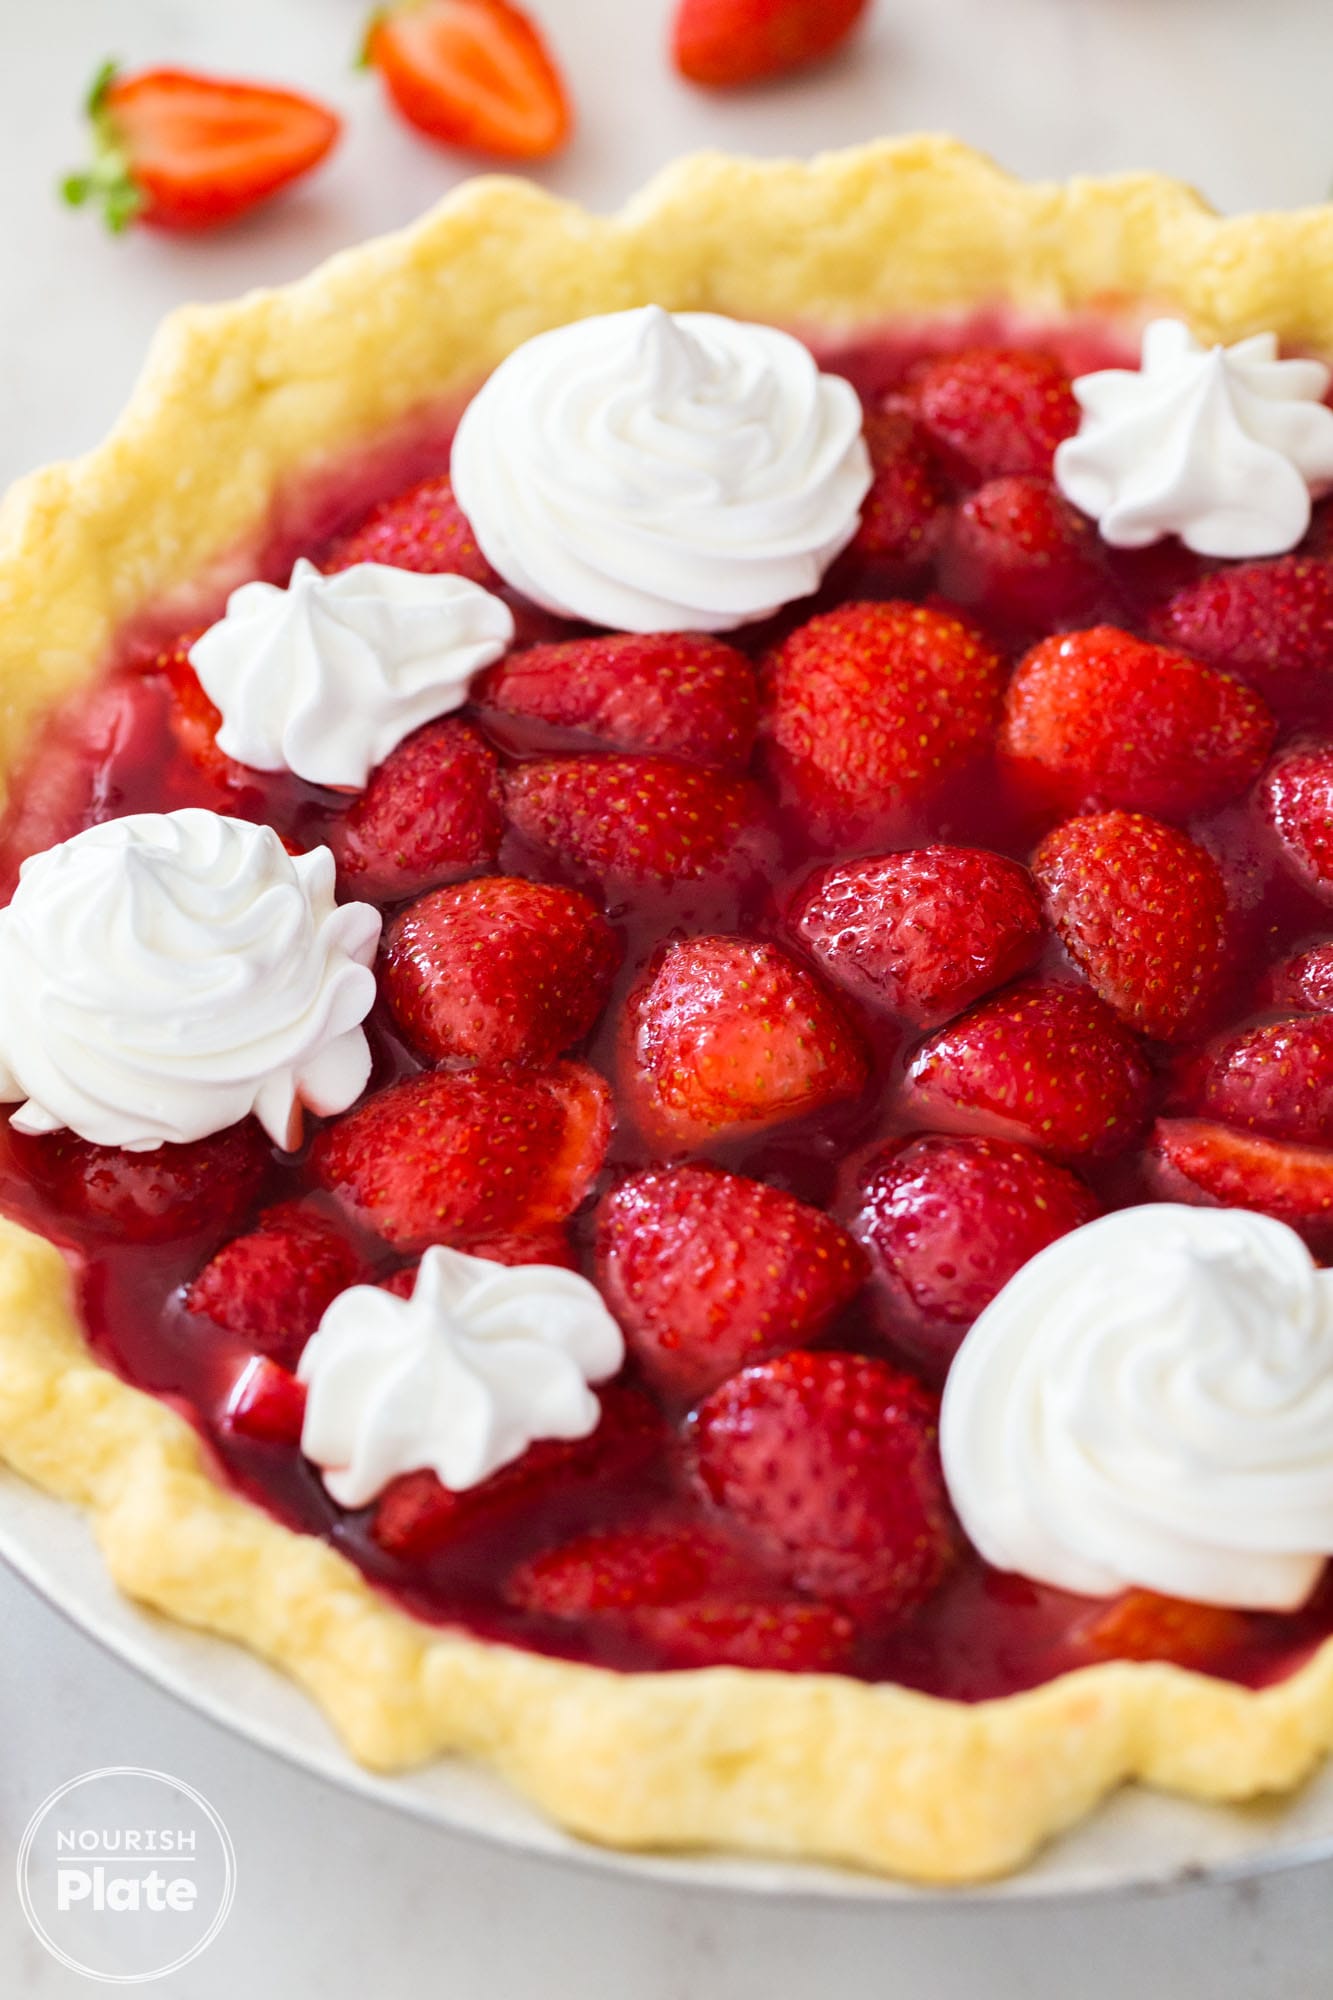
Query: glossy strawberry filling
904, 1173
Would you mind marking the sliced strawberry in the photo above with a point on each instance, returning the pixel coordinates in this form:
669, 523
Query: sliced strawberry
773, 1634
183, 151
902, 513
1303, 981
1017, 553
274, 1284
267, 1403
723, 44
993, 411
416, 1517
1213, 1165
638, 819
831, 1463
1143, 1626
870, 708
1269, 622
727, 1036
1296, 798
1048, 1064
498, 970
949, 1221
431, 813
1142, 910
453, 1158
621, 1569
472, 73
1276, 1079
923, 933
1101, 718
149, 1197
707, 1271
421, 529
680, 694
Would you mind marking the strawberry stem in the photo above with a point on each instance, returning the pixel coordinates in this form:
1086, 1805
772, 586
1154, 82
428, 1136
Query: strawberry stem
363, 59
109, 181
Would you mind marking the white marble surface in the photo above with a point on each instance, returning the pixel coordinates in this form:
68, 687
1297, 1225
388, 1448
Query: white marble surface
338, 1898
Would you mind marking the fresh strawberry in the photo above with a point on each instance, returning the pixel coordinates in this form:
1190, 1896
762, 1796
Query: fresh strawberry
707, 1271
266, 1403
830, 1462
724, 44
497, 970
273, 1285
1048, 1064
421, 529
1101, 718
1142, 910
451, 1158
1143, 1626
1303, 982
727, 1036
1195, 1160
902, 513
1019, 555
922, 933
472, 73
1276, 1079
638, 819
431, 813
620, 1569
680, 694
183, 151
1269, 622
870, 708
771, 1634
547, 1245
1296, 798
416, 1517
993, 411
192, 718
149, 1197
948, 1222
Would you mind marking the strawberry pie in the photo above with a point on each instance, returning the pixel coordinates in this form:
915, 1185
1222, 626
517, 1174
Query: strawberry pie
667, 938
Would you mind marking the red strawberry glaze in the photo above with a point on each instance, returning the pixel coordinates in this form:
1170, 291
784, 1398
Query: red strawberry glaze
981, 1634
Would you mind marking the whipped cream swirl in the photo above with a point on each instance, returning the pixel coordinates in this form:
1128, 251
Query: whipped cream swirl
1149, 1402
656, 472
481, 1362
166, 974
326, 677
1223, 446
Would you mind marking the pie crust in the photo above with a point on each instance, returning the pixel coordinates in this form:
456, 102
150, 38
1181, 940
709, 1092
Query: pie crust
236, 405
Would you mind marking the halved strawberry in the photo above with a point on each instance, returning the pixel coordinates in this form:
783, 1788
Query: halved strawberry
1017, 553
431, 813
1269, 622
450, 1158
765, 1634
1196, 1160
1302, 981
1142, 910
1141, 1625
1276, 1079
421, 529
1296, 798
266, 1403
922, 933
725, 43
707, 1271
149, 1197
658, 1561
273, 1285
830, 1463
184, 151
1048, 1064
726, 1036
680, 694
1101, 718
472, 73
639, 819
902, 513
993, 411
870, 708
497, 970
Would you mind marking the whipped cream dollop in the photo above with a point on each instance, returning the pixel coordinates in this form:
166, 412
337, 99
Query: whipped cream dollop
328, 676
1223, 446
659, 472
482, 1361
166, 974
1149, 1402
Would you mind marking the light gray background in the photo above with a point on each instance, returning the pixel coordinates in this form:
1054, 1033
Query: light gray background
338, 1899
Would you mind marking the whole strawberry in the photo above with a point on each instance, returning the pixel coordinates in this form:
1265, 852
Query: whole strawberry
903, 512
1269, 622
431, 813
1276, 1079
1020, 556
995, 411
1301, 982
1296, 798
273, 1285
175, 1190
726, 43
421, 529
623, 820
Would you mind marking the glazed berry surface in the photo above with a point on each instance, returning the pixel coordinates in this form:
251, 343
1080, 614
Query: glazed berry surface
831, 1216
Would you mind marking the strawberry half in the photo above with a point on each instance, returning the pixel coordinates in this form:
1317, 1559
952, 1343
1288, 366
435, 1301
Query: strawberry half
723, 44
1196, 1160
473, 73
183, 151
1141, 1625
422, 529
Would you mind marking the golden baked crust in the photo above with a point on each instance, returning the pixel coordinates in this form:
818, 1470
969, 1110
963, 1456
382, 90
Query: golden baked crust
235, 403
